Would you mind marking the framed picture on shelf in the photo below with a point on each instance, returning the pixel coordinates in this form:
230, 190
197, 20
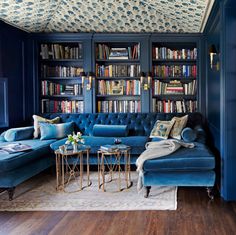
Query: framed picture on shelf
117, 88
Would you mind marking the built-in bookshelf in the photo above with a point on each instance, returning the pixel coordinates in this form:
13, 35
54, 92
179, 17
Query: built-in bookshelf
61, 88
117, 71
174, 83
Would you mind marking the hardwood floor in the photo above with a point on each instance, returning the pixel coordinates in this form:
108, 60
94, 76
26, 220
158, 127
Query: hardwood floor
195, 215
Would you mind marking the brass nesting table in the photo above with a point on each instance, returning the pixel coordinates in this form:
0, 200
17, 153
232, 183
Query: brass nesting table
111, 160
67, 163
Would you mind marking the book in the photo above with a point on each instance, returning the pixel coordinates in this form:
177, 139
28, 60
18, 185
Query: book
14, 148
119, 53
109, 148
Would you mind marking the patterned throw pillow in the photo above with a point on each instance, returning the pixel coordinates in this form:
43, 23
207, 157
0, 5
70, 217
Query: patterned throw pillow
38, 119
180, 124
162, 129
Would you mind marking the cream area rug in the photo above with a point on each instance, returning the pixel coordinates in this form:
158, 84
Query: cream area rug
39, 194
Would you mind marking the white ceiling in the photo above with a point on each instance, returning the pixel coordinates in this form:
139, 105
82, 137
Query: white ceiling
185, 16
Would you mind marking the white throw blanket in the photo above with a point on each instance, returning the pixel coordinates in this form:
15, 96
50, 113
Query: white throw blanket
156, 150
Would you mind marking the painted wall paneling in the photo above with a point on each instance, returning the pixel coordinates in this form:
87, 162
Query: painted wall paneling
12, 42
4, 118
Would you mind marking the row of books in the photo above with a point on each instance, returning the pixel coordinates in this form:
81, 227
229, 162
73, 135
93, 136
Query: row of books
60, 71
50, 88
60, 51
174, 106
65, 106
121, 87
105, 52
174, 87
119, 106
167, 53
132, 70
184, 71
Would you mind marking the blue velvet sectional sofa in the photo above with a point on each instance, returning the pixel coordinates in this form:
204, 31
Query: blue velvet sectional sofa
186, 167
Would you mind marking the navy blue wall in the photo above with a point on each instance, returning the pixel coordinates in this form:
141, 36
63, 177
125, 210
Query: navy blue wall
220, 92
12, 54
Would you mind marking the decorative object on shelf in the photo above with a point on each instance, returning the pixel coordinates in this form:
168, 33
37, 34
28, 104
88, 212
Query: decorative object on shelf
75, 140
83, 77
90, 81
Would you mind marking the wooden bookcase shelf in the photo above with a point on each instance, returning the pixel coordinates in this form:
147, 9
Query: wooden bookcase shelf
116, 62
117, 75
174, 68
60, 65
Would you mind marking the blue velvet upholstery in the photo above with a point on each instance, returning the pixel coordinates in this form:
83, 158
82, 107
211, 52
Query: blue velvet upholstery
12, 161
110, 130
185, 159
179, 178
16, 168
55, 131
2, 139
201, 134
139, 124
188, 134
21, 133
18, 175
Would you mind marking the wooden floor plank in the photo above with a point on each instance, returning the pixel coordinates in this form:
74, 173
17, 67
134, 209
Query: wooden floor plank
195, 215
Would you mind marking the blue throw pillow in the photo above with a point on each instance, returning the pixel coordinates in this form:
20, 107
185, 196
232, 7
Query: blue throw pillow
188, 134
201, 134
20, 133
110, 130
55, 131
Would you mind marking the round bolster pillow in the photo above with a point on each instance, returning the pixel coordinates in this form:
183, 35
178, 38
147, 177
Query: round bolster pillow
188, 134
110, 130
20, 133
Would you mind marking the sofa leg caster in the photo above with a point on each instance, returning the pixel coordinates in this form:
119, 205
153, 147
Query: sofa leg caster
11, 193
210, 193
147, 191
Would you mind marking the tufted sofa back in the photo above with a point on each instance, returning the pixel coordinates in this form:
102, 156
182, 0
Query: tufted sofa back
138, 123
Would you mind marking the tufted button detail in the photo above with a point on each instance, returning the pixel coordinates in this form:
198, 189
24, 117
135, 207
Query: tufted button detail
138, 123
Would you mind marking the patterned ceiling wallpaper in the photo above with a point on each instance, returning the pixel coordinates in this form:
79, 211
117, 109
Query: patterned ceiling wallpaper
105, 15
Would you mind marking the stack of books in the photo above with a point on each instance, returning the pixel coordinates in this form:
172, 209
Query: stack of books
109, 148
118, 54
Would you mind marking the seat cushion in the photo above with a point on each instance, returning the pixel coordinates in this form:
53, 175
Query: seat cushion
184, 159
137, 143
15, 160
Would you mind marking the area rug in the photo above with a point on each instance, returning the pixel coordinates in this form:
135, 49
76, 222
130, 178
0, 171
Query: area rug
39, 194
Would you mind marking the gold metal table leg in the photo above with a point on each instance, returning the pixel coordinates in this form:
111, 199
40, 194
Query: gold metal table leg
81, 170
103, 173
